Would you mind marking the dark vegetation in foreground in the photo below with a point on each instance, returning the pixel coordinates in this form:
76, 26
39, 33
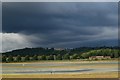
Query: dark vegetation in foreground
36, 54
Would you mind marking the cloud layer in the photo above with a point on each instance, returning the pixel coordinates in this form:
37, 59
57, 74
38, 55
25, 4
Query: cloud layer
62, 24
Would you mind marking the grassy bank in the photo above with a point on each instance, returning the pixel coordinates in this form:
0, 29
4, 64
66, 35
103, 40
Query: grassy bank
74, 60
91, 75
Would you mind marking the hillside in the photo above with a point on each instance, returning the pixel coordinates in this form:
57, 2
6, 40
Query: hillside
52, 51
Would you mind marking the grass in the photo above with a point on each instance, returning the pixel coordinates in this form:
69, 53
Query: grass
65, 61
74, 60
90, 75
70, 67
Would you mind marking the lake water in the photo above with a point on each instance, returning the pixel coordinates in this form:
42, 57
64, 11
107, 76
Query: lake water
50, 68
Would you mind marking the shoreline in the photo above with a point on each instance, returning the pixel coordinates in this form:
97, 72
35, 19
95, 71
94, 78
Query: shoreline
65, 61
84, 75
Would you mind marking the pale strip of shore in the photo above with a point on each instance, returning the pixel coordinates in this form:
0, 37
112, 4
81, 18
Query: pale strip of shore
70, 67
86, 75
64, 61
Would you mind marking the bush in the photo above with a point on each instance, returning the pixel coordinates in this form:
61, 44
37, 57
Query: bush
18, 58
4, 58
27, 58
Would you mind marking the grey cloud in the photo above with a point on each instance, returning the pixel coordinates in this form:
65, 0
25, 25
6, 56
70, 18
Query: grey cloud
50, 16
62, 24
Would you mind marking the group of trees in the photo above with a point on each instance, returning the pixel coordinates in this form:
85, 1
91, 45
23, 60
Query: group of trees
66, 55
113, 53
32, 58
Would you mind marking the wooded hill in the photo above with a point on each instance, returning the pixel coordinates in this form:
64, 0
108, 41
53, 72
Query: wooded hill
53, 51
30, 54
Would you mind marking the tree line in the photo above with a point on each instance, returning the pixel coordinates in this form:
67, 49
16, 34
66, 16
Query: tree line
67, 54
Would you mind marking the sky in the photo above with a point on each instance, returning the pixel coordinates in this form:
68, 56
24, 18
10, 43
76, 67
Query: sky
59, 24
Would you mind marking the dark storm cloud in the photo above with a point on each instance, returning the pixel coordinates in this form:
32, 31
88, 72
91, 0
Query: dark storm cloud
44, 17
59, 23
